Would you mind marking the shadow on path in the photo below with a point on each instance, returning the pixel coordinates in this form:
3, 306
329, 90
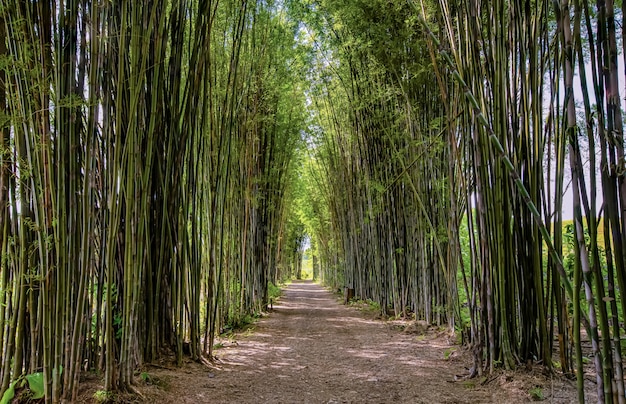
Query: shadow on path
312, 349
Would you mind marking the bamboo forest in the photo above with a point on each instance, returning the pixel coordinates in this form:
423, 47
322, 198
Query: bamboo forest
167, 165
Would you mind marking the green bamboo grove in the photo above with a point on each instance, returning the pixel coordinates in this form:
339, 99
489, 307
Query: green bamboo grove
452, 130
163, 162
146, 154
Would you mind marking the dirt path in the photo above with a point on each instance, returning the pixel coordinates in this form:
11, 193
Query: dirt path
312, 349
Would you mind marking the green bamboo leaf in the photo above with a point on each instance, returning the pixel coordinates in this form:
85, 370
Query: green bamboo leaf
36, 385
9, 394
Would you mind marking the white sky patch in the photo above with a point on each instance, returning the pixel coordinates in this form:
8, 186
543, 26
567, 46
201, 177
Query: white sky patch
568, 199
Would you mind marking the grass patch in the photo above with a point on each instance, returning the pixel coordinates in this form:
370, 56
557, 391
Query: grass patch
273, 293
448, 352
469, 384
104, 396
367, 305
240, 323
536, 394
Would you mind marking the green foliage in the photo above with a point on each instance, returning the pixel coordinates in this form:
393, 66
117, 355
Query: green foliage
365, 304
233, 141
242, 322
307, 268
34, 383
536, 394
469, 384
117, 323
8, 395
463, 298
103, 396
273, 292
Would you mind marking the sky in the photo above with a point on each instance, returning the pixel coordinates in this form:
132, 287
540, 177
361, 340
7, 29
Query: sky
568, 201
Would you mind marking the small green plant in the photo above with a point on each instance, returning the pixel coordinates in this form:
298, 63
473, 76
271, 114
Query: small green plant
372, 304
536, 394
103, 396
239, 323
249, 331
468, 384
247, 320
32, 383
273, 291
448, 352
365, 305
145, 376
117, 324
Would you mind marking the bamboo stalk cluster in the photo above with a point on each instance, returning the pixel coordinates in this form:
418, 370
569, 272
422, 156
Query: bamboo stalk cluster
445, 150
146, 150
384, 158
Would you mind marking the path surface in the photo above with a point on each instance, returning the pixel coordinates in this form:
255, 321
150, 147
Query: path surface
312, 349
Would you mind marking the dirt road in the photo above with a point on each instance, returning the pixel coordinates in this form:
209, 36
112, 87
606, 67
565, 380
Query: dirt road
312, 349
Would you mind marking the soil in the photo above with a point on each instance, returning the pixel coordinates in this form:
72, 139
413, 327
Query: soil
313, 349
